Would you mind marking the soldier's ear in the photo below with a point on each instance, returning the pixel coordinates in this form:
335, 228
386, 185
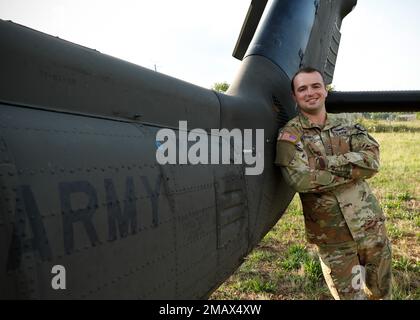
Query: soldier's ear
294, 97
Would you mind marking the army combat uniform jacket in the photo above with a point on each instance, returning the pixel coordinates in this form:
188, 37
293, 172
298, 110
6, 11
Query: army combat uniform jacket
328, 167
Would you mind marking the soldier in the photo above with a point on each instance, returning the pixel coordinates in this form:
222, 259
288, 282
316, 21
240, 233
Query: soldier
326, 158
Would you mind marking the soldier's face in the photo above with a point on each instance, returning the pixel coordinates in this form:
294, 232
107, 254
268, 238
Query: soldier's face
310, 92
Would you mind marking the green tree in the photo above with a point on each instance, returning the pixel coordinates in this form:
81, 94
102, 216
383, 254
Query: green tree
221, 86
330, 87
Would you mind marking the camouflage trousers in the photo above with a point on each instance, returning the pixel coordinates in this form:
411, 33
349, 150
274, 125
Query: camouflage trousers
357, 270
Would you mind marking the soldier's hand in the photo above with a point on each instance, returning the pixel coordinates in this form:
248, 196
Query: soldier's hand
361, 173
345, 171
318, 163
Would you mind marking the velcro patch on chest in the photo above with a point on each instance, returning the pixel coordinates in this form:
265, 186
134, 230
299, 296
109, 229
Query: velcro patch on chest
340, 131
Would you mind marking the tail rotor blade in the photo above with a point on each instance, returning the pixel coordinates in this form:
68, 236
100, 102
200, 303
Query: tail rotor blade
249, 26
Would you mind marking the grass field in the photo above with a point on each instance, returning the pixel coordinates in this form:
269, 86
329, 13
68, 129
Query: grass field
284, 266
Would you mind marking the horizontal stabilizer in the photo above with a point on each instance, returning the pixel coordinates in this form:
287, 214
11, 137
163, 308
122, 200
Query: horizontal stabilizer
249, 26
373, 101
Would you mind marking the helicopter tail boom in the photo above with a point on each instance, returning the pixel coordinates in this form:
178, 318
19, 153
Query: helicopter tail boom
373, 101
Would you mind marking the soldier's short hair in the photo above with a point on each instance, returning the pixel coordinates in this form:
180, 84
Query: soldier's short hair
305, 70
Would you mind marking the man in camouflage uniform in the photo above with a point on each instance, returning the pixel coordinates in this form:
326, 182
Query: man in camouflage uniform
326, 158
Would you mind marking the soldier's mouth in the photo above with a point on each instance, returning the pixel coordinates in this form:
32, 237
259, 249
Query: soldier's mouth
312, 101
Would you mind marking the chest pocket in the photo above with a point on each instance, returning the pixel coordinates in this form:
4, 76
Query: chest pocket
313, 144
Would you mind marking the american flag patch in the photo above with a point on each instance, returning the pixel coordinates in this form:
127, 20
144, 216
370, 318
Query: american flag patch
288, 137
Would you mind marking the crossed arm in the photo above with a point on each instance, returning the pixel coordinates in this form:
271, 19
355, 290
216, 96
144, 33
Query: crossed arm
327, 172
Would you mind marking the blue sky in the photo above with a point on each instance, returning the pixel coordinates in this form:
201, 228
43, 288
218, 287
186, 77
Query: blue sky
193, 40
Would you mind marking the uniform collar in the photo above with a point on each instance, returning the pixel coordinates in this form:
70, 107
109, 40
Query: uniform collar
330, 122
